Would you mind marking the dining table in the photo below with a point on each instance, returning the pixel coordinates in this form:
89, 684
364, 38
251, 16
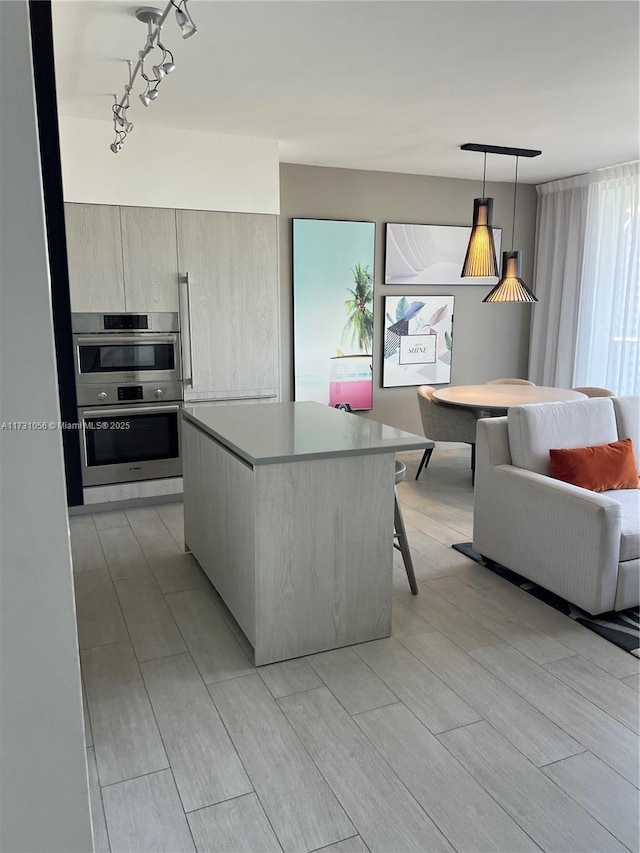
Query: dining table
497, 399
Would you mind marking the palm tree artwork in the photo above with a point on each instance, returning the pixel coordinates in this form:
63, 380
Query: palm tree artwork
351, 378
360, 316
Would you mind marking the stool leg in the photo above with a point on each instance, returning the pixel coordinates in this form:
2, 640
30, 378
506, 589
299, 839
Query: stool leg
426, 456
404, 546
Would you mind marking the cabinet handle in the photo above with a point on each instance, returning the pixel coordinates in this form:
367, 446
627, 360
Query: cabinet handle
188, 374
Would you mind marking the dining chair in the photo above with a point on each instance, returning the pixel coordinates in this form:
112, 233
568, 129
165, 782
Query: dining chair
444, 423
509, 382
400, 534
592, 391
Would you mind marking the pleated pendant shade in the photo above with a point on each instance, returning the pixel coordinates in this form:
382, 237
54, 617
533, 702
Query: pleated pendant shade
480, 260
510, 288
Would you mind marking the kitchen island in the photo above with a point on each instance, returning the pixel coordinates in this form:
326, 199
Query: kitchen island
288, 508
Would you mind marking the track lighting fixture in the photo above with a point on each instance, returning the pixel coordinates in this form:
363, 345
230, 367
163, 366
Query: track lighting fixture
154, 19
510, 288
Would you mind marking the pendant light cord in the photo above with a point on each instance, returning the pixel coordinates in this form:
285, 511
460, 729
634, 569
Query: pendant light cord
484, 172
515, 192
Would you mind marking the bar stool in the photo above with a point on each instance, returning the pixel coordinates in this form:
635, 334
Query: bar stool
400, 534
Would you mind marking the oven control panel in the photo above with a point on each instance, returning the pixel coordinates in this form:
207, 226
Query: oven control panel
125, 322
130, 392
118, 395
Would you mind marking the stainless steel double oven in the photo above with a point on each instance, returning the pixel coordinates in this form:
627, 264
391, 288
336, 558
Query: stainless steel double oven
129, 388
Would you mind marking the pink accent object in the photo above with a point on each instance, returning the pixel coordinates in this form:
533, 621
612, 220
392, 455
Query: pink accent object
351, 382
357, 393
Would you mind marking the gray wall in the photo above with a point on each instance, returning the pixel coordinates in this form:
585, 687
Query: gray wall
44, 797
490, 341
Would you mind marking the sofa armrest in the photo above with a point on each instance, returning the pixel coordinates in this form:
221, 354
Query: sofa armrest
565, 538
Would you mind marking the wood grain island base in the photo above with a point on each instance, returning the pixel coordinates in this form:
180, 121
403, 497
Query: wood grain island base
288, 508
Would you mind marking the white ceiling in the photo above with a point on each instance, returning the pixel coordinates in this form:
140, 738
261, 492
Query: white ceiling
393, 86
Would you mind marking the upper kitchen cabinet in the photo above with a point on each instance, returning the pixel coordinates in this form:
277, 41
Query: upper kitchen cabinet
150, 257
230, 303
94, 250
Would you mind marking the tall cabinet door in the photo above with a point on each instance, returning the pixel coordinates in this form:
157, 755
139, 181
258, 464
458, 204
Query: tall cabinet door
94, 252
150, 257
232, 264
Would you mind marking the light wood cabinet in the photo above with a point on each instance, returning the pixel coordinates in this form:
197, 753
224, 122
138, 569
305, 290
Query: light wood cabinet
133, 258
94, 251
192, 473
232, 322
150, 258
122, 258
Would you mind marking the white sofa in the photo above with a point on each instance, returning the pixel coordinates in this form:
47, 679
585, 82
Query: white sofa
582, 545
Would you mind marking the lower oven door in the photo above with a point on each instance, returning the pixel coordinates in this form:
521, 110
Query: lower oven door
126, 443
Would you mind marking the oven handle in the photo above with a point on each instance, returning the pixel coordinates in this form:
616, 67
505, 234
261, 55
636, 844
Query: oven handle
117, 411
187, 333
124, 340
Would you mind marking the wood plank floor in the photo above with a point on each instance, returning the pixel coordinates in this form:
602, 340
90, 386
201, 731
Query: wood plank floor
488, 722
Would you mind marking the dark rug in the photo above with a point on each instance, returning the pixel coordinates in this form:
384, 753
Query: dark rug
622, 627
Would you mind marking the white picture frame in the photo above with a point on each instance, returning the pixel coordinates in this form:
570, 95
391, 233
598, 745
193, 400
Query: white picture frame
431, 254
418, 340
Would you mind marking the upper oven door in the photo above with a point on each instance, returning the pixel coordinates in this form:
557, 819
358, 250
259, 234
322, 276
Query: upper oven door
104, 359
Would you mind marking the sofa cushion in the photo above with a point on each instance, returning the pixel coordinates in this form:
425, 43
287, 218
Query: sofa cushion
597, 468
627, 411
536, 428
629, 499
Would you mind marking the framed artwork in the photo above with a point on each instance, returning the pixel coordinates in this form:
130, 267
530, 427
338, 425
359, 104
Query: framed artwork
333, 266
430, 254
418, 340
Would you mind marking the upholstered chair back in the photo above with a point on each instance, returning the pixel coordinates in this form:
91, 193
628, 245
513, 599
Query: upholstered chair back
510, 382
592, 391
445, 423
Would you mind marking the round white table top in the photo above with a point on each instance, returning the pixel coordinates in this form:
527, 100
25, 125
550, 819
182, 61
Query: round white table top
501, 397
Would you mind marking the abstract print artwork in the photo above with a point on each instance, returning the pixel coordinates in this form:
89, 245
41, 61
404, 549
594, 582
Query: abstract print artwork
418, 339
430, 254
333, 312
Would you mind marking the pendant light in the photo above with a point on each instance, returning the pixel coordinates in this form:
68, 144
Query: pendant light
511, 287
480, 260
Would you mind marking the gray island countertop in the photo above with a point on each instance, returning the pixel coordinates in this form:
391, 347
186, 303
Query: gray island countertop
263, 434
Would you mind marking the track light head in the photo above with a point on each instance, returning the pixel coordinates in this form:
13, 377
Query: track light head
115, 147
153, 94
146, 100
189, 30
166, 65
187, 27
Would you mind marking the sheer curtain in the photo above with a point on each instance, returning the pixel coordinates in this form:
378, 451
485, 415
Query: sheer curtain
560, 231
607, 350
586, 326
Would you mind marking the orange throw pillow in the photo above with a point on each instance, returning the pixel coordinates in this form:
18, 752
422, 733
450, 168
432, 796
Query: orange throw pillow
598, 468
